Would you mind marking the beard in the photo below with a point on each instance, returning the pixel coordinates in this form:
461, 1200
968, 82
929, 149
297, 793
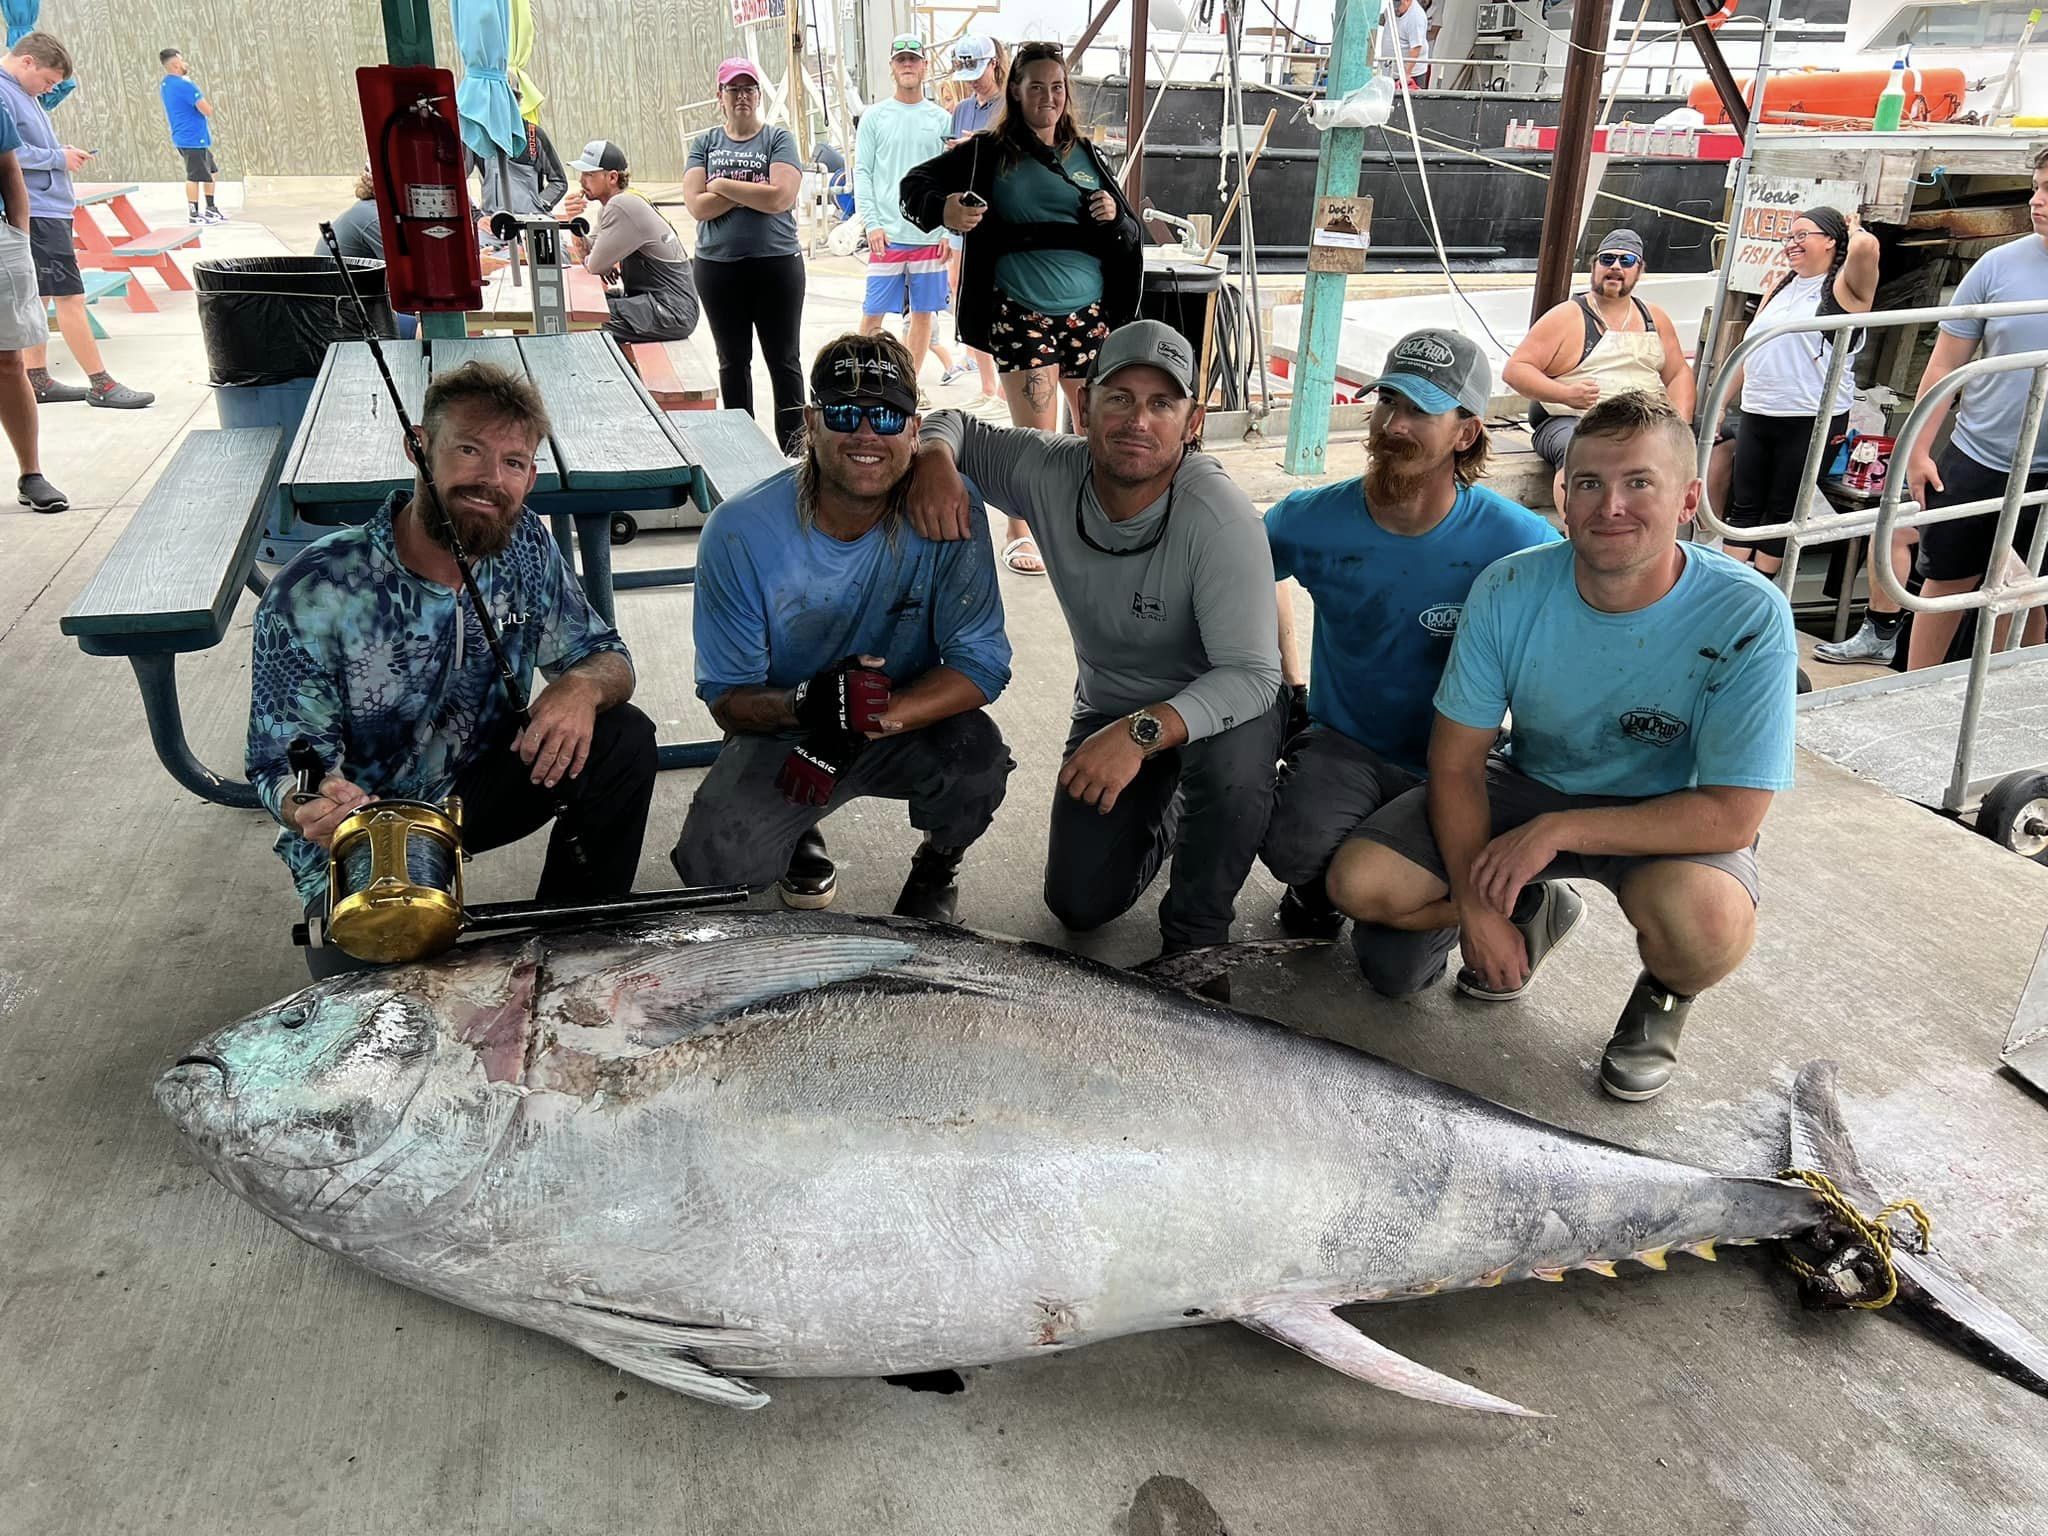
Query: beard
1395, 473
483, 533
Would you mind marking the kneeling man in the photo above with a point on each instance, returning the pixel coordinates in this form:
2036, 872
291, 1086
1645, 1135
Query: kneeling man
366, 646
1651, 687
844, 655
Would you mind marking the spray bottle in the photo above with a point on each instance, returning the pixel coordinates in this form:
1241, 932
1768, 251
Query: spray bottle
1891, 103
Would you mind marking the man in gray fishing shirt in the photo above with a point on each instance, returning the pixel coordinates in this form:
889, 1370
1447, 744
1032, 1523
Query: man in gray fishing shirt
1162, 570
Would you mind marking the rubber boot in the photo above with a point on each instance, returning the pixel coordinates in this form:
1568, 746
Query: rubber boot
811, 880
1640, 1059
932, 892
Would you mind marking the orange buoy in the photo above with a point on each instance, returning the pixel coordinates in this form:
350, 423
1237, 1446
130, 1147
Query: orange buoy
1801, 96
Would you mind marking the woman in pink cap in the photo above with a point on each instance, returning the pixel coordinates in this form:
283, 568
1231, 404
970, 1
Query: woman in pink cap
741, 184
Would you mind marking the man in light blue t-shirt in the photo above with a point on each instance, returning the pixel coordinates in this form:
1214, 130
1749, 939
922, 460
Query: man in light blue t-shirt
906, 266
1651, 687
1388, 558
845, 655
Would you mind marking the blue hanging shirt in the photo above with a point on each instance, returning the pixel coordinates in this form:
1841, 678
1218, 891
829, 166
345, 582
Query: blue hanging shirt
1698, 688
777, 601
1387, 605
389, 676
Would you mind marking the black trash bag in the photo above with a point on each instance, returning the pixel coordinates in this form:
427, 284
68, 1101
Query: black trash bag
270, 319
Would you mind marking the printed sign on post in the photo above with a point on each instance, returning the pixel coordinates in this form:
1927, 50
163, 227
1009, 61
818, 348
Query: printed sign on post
1765, 218
749, 13
1342, 232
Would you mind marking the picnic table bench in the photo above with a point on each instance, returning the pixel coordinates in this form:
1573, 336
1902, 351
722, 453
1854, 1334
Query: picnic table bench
139, 246
97, 286
172, 578
171, 581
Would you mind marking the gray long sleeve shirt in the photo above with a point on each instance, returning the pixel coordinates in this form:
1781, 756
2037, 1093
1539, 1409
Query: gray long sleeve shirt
1190, 622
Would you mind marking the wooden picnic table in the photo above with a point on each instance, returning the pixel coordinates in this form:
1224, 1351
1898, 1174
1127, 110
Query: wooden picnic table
139, 246
506, 308
610, 449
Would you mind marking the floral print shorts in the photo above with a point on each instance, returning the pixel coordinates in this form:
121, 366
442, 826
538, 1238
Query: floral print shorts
1020, 339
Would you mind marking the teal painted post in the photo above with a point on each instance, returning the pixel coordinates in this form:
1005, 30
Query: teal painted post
409, 39
1322, 303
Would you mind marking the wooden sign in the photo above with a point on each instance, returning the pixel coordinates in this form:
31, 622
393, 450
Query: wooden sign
1770, 204
1343, 230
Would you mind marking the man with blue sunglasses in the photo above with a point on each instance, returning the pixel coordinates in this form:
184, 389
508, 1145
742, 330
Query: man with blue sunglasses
844, 655
1598, 344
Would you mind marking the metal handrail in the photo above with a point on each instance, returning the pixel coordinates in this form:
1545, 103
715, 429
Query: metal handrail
1799, 532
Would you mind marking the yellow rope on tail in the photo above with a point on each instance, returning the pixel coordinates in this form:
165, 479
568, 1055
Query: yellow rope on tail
1874, 1230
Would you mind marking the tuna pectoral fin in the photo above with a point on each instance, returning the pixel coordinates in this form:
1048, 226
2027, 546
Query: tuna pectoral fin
659, 999
1325, 1337
661, 1352
1190, 968
1931, 1292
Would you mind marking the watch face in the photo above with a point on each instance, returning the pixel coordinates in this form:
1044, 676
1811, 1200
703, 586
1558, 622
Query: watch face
1145, 729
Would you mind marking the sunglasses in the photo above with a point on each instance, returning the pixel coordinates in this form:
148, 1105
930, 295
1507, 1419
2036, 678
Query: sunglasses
887, 420
736, 88
1622, 259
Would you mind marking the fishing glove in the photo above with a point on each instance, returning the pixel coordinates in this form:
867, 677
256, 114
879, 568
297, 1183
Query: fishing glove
811, 771
846, 696
1297, 711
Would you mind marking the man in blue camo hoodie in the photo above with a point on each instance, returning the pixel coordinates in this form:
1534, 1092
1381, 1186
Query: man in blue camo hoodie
366, 646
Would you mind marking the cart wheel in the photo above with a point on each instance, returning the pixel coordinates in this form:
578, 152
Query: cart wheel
623, 528
1805, 682
2015, 814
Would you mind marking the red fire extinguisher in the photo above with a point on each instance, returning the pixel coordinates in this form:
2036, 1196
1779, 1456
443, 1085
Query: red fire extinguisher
416, 166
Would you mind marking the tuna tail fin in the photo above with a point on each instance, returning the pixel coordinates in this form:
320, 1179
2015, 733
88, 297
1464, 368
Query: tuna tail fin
1327, 1339
1191, 968
1931, 1291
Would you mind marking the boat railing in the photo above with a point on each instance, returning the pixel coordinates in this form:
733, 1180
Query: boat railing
2006, 590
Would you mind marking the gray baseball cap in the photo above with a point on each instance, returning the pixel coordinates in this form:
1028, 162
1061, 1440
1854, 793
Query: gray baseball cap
1153, 343
600, 155
1440, 371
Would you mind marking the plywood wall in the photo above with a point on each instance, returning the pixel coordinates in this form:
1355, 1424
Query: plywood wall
281, 76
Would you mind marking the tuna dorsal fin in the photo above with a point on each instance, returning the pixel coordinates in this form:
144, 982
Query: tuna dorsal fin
658, 998
1190, 968
1327, 1339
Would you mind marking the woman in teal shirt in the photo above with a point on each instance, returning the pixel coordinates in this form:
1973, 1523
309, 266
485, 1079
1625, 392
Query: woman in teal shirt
1051, 262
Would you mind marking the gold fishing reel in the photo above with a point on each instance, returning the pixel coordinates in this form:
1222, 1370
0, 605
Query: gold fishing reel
394, 880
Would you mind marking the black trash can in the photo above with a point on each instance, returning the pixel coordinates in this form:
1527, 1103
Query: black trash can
267, 322
1179, 292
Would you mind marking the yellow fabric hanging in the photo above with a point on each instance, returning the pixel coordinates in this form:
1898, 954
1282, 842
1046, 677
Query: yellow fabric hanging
518, 55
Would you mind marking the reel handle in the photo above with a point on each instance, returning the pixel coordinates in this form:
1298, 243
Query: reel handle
307, 771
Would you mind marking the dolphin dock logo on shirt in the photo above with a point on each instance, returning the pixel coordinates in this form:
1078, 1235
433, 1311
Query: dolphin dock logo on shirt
1441, 619
1144, 607
1652, 727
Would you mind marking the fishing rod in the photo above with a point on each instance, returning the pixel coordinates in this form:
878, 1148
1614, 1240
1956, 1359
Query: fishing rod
416, 443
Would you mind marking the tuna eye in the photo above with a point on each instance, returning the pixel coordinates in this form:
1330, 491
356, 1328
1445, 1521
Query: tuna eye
294, 1018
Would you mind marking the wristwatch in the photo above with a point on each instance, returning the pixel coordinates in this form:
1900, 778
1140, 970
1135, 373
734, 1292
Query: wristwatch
1145, 728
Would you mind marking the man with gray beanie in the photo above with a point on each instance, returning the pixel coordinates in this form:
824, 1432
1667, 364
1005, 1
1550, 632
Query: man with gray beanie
1161, 569
1604, 342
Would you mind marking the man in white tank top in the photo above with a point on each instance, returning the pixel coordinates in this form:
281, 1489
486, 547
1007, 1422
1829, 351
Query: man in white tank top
1602, 343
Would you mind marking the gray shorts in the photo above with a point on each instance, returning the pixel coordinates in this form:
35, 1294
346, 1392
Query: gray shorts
1551, 436
1516, 799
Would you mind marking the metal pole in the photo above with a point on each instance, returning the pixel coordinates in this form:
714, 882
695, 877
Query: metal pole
1565, 199
408, 32
1233, 20
1095, 25
1322, 301
1134, 113
2009, 513
1709, 343
1709, 50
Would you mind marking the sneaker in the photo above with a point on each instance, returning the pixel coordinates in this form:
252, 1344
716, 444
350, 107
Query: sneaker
924, 400
1866, 645
932, 892
810, 882
1557, 909
1640, 1059
119, 397
38, 495
213, 216
58, 393
959, 370
1306, 912
194, 216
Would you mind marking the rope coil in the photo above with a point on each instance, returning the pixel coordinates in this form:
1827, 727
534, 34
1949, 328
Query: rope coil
1874, 1231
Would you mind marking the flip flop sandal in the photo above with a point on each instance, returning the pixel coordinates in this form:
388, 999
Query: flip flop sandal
1019, 550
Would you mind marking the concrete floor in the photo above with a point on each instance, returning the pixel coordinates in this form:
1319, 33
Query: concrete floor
175, 1362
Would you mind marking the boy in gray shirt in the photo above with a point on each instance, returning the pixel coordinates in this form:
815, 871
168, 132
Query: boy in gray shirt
1163, 572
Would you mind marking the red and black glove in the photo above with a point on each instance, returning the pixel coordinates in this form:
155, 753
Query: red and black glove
811, 771
846, 696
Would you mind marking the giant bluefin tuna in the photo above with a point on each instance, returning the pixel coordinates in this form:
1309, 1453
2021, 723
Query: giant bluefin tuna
763, 1144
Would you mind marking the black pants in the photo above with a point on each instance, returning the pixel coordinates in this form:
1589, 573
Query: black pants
1769, 453
1205, 803
740, 830
501, 804
763, 295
